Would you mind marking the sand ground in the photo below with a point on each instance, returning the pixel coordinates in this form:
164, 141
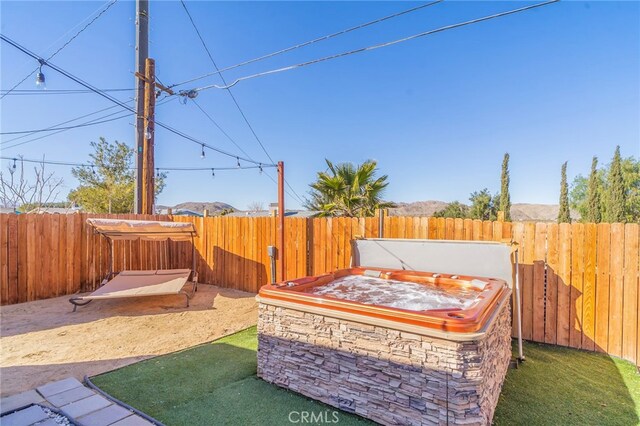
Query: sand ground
44, 340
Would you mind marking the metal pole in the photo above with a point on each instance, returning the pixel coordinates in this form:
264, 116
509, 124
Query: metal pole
281, 242
142, 52
380, 223
518, 309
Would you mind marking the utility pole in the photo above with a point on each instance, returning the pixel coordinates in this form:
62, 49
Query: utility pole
148, 180
281, 242
142, 53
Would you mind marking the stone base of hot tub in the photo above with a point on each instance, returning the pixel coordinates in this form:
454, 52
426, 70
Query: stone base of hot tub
386, 375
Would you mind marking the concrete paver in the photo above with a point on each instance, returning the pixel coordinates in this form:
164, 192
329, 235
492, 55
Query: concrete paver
25, 417
13, 402
58, 386
85, 406
133, 420
73, 399
69, 396
105, 416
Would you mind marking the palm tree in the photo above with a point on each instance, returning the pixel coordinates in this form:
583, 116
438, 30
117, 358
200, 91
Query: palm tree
348, 190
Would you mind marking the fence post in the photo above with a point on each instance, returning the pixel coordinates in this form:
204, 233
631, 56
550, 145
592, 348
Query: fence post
380, 223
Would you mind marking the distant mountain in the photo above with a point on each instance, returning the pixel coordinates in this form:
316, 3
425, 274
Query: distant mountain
538, 212
417, 208
519, 211
200, 206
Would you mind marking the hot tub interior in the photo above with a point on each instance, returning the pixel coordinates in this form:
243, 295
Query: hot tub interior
396, 294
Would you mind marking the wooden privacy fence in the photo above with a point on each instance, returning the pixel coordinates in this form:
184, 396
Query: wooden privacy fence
580, 282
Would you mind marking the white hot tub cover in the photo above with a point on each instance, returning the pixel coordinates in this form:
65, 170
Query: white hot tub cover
476, 258
121, 229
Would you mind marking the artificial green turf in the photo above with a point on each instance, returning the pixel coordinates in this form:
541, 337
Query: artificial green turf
563, 386
212, 384
216, 384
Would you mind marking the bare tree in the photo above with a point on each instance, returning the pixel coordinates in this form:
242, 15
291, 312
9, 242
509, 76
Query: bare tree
16, 190
255, 206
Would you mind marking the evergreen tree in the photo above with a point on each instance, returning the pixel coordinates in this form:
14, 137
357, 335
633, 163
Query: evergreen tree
593, 212
108, 185
483, 205
505, 197
616, 190
455, 210
563, 213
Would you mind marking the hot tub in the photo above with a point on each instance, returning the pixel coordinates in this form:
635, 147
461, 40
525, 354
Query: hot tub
397, 347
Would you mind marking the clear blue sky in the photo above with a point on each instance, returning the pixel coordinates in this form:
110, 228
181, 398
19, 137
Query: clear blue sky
548, 85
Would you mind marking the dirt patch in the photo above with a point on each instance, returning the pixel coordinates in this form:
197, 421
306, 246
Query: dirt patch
44, 341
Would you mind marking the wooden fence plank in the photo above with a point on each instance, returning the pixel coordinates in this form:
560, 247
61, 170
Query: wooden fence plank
630, 294
616, 289
433, 228
602, 287
527, 283
4, 259
589, 287
13, 254
551, 298
564, 283
518, 238
538, 291
577, 271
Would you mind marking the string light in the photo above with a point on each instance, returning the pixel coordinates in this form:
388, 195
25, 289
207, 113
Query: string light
260, 167
202, 154
213, 173
40, 81
158, 173
238, 159
14, 164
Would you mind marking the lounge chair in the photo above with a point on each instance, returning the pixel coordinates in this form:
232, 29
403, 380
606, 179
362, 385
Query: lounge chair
129, 283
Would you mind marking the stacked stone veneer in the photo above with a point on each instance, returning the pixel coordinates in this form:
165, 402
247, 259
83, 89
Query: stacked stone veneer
390, 376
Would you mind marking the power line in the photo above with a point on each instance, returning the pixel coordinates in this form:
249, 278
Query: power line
63, 46
246, 120
34, 92
91, 165
93, 123
65, 122
378, 46
116, 101
219, 127
307, 43
225, 82
296, 196
95, 120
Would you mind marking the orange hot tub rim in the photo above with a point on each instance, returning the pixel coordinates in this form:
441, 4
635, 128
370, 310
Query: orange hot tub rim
486, 295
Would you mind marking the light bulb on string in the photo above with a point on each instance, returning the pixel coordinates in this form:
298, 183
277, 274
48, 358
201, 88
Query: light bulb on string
202, 154
40, 80
260, 168
213, 173
14, 164
158, 173
238, 160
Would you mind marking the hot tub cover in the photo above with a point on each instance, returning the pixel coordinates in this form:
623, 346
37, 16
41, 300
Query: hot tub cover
121, 229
